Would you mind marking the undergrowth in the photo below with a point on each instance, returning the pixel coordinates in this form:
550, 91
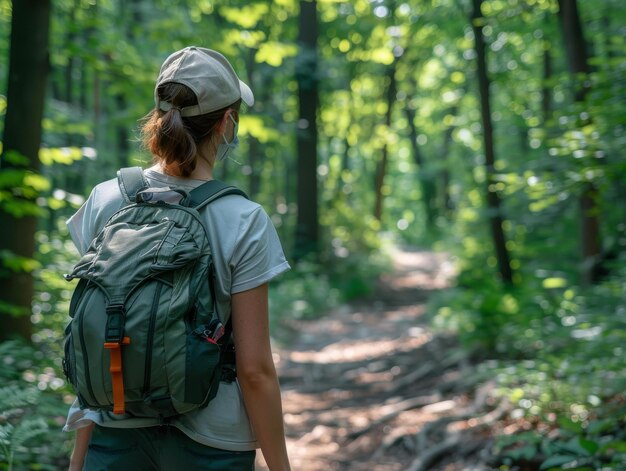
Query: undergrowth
556, 351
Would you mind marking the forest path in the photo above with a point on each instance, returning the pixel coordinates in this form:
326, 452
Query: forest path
371, 387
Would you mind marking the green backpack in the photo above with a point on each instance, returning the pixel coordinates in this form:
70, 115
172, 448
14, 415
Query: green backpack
144, 337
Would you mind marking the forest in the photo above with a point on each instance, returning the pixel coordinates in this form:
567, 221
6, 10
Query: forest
457, 163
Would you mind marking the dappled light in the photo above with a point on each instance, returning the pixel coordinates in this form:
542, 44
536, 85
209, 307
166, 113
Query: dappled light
447, 179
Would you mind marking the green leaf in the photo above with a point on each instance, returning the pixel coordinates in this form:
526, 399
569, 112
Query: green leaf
570, 425
15, 158
549, 283
527, 452
589, 445
557, 461
615, 446
13, 310
37, 182
17, 263
25, 431
598, 426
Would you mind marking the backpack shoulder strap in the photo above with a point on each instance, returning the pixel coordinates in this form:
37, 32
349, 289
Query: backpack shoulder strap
131, 180
211, 191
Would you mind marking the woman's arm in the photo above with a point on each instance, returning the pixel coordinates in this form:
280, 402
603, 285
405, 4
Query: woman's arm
257, 375
81, 443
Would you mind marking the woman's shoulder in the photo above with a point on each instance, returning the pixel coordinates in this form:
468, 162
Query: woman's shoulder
237, 204
237, 212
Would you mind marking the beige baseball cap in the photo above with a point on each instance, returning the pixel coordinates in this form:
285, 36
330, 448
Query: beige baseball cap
208, 74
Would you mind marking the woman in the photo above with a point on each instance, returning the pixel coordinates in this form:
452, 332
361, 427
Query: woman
193, 126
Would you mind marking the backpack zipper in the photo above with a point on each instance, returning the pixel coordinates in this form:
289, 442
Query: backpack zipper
151, 326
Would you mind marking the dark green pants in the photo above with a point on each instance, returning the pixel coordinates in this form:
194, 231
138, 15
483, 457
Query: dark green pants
158, 448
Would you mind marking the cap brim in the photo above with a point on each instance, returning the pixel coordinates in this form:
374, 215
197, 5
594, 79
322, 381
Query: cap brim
246, 94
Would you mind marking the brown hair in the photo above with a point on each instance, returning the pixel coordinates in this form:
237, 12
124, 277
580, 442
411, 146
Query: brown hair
173, 140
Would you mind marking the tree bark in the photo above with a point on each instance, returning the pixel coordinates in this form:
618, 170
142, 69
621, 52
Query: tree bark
381, 168
546, 91
578, 64
28, 71
254, 146
428, 184
493, 199
307, 230
444, 175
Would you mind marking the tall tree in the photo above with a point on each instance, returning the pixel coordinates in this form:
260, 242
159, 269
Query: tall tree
307, 230
381, 168
577, 60
493, 199
28, 70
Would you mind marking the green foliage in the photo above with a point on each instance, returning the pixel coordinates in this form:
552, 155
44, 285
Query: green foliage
19, 187
17, 432
556, 352
597, 444
304, 293
34, 396
31, 410
311, 290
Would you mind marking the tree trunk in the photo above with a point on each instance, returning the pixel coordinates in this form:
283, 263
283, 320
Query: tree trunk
579, 67
546, 91
426, 180
71, 60
307, 230
254, 146
381, 168
493, 199
575, 46
444, 175
28, 71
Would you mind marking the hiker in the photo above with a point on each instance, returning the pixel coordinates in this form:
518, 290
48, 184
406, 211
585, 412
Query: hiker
192, 127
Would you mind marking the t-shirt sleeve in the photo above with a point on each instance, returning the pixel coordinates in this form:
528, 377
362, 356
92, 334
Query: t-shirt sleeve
80, 225
79, 418
258, 255
104, 200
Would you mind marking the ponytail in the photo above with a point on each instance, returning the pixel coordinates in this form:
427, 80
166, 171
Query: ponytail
166, 136
173, 140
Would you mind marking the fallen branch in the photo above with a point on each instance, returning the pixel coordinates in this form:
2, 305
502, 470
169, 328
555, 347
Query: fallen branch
425, 370
435, 453
393, 411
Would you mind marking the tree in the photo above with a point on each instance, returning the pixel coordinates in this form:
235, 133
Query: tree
28, 70
493, 199
576, 49
307, 230
381, 167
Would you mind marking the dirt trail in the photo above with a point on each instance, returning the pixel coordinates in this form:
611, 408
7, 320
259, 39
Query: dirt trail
371, 387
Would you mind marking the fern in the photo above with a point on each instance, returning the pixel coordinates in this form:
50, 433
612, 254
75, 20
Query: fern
25, 431
14, 438
6, 431
13, 396
16, 430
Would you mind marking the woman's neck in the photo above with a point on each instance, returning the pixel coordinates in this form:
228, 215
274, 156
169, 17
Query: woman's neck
203, 171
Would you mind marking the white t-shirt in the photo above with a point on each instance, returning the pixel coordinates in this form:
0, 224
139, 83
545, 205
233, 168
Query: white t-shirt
246, 253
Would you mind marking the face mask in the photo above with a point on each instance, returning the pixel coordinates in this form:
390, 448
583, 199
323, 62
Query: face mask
225, 148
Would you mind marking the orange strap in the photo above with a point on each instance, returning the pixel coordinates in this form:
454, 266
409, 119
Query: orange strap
117, 377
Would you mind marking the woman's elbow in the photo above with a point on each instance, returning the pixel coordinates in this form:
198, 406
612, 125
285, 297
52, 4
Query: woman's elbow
256, 376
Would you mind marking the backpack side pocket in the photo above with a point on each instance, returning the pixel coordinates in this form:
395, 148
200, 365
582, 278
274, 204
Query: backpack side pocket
69, 359
203, 366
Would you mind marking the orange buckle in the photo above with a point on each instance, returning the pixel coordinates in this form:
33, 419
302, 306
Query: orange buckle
117, 377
